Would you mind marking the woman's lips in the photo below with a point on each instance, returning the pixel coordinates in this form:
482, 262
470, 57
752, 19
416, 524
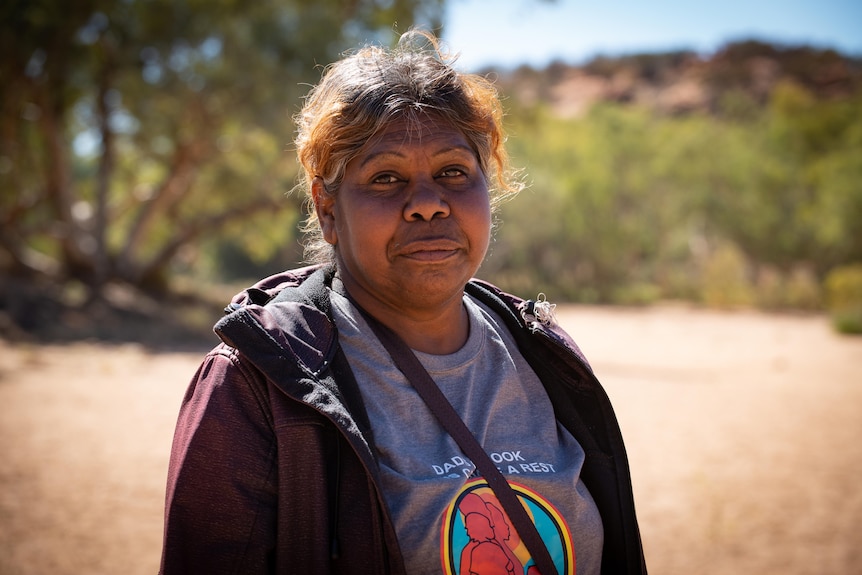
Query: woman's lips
430, 255
432, 249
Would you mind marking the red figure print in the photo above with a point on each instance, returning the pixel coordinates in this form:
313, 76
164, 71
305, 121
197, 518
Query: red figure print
484, 555
491, 537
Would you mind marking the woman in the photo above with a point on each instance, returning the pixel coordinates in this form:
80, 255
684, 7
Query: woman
304, 444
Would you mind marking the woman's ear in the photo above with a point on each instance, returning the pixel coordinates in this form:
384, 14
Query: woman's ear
324, 206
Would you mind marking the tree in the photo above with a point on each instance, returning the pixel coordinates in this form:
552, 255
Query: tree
610, 206
132, 129
789, 192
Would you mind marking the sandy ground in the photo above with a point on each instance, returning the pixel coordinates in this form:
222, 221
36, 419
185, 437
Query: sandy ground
744, 433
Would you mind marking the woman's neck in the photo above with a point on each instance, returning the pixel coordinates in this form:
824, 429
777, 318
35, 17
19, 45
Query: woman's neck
438, 330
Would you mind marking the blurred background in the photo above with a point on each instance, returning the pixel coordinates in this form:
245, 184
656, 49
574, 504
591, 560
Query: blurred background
710, 154
695, 194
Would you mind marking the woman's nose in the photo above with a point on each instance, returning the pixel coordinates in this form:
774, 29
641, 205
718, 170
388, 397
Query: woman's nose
425, 201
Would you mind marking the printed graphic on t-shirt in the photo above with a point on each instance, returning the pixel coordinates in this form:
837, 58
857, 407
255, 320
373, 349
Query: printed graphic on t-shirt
478, 538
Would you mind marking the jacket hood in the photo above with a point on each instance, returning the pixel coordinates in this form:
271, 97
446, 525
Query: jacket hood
267, 288
283, 327
286, 333
287, 337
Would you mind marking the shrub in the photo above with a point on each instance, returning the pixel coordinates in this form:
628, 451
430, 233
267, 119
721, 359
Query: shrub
844, 298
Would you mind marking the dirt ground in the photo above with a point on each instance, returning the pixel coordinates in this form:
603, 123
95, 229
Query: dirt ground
744, 433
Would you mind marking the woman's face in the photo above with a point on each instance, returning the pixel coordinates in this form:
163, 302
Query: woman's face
411, 221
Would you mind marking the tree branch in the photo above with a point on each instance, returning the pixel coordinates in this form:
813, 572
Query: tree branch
175, 185
195, 229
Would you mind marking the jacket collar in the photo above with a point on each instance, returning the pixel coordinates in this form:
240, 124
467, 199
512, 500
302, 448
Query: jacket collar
283, 325
284, 329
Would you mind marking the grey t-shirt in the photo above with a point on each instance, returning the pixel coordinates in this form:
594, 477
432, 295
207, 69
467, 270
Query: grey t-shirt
446, 518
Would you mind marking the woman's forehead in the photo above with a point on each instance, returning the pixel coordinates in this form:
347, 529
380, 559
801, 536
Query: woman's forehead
425, 130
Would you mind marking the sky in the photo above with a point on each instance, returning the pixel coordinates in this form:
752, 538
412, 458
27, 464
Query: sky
508, 33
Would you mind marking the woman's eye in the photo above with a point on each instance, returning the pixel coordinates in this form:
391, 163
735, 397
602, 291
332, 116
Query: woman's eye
385, 179
452, 173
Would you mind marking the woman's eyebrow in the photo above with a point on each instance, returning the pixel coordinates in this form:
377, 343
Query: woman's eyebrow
455, 148
396, 154
387, 154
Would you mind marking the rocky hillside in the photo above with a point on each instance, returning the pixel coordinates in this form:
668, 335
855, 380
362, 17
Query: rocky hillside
682, 82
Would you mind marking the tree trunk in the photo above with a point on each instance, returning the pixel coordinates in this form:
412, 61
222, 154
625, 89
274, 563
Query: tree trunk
173, 188
101, 257
58, 193
157, 264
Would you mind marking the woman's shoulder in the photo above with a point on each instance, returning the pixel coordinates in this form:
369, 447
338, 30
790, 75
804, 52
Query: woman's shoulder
526, 317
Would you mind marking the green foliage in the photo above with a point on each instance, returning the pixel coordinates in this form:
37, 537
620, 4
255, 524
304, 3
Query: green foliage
142, 137
725, 279
844, 298
606, 216
134, 130
752, 207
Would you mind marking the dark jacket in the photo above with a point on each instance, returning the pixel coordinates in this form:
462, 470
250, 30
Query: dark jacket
273, 467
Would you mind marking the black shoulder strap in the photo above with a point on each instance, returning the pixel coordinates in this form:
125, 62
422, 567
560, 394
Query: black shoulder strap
406, 361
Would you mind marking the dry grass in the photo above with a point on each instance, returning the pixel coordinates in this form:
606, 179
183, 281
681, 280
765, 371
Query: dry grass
743, 432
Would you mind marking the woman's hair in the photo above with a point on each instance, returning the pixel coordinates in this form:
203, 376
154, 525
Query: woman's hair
361, 94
